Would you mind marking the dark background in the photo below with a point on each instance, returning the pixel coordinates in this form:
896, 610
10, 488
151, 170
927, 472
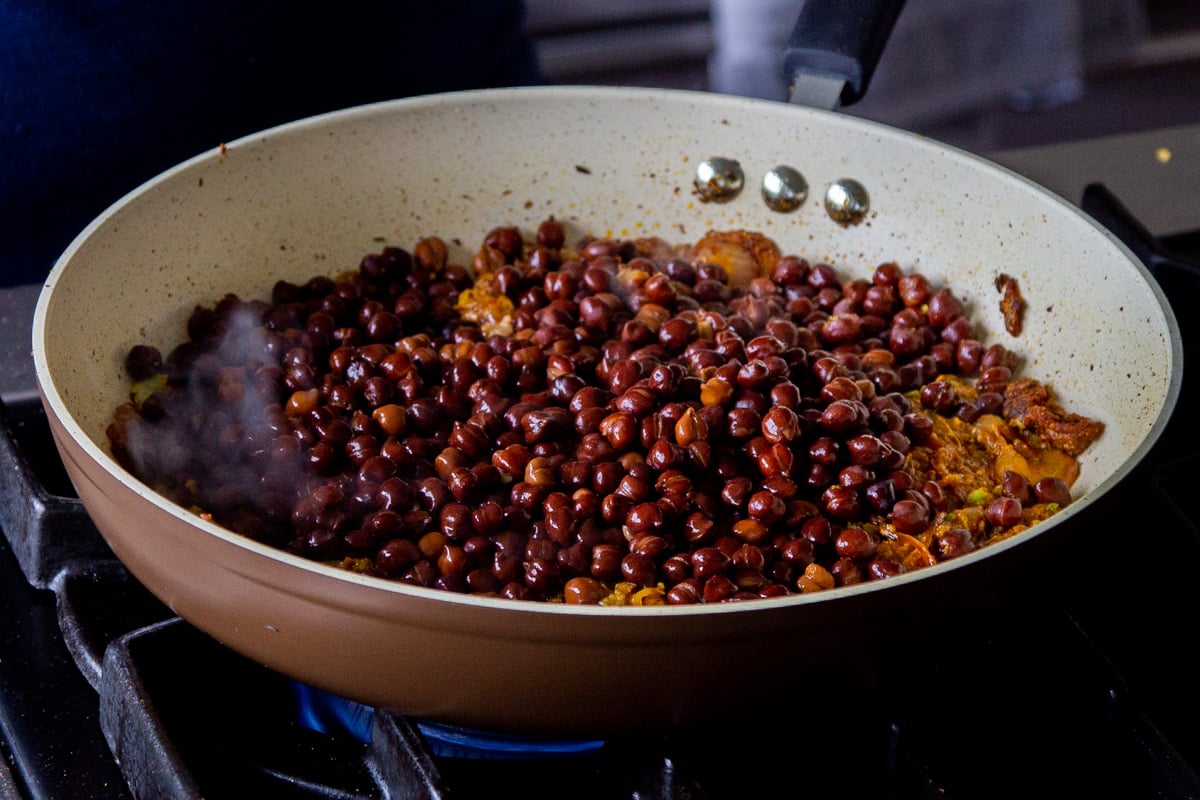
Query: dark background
97, 96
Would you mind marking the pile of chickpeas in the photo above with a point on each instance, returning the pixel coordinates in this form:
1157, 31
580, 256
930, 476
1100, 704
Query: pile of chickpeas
599, 423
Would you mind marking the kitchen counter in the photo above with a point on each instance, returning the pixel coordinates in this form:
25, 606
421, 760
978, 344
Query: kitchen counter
1156, 174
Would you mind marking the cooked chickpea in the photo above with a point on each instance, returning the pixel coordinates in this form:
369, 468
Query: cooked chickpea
597, 423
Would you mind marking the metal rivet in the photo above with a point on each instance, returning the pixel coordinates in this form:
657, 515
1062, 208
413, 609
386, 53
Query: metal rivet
718, 179
847, 201
784, 189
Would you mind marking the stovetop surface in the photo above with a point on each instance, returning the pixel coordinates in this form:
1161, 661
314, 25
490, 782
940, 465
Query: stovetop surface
1091, 695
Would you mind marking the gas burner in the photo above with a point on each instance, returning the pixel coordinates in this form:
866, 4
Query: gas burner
328, 713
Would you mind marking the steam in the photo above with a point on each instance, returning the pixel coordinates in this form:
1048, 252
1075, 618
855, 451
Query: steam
218, 441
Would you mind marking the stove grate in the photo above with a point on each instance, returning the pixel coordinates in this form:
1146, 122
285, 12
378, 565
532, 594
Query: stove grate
1052, 703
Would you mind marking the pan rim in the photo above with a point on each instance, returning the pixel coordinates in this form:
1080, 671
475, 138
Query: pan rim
52, 398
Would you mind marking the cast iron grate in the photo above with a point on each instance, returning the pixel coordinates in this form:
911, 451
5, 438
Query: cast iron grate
1030, 701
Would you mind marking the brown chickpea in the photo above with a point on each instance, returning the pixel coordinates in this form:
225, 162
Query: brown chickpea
639, 570
855, 543
766, 507
846, 572
718, 588
954, 542
1003, 512
708, 561
642, 420
751, 531
584, 591
634, 489
1052, 490
621, 430
909, 516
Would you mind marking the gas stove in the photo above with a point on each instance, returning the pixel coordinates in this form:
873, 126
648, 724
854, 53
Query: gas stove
104, 693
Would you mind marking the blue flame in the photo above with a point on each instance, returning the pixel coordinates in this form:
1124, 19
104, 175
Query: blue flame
327, 713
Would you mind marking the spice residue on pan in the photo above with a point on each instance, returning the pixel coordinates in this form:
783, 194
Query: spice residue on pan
1012, 305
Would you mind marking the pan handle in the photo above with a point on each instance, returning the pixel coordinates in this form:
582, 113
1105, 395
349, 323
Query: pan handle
1177, 274
837, 43
1102, 205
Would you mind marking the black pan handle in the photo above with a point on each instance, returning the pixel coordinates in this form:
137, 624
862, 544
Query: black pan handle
1176, 271
841, 39
1102, 205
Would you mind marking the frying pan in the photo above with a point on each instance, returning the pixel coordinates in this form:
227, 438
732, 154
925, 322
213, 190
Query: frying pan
315, 195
